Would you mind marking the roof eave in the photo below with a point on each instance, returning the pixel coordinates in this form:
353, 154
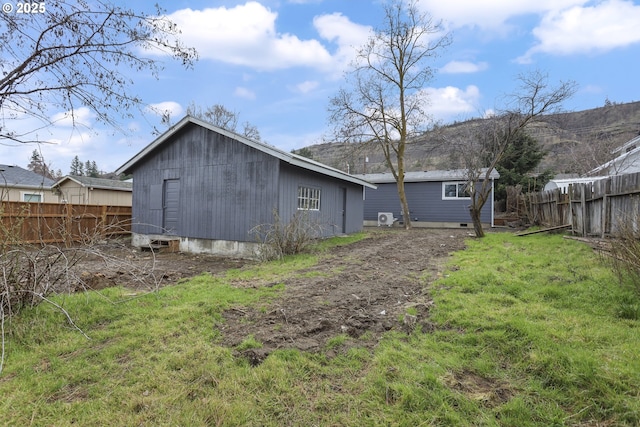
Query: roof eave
18, 186
292, 159
66, 178
326, 170
125, 168
102, 187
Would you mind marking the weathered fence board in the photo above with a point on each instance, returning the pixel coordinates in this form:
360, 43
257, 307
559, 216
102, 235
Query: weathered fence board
551, 208
61, 223
596, 209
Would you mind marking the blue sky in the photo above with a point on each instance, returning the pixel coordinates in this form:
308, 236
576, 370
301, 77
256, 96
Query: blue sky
277, 62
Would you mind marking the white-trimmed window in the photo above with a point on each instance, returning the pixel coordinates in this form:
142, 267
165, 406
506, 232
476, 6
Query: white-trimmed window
455, 190
308, 198
31, 197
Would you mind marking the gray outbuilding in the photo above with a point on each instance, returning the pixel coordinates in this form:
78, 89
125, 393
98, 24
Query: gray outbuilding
207, 188
435, 198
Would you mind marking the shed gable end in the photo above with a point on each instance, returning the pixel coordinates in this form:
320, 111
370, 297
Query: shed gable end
225, 187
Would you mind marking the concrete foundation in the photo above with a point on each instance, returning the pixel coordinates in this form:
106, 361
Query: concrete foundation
199, 246
426, 224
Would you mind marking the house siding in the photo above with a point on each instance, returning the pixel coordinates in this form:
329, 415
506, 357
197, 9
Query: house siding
74, 193
16, 193
332, 201
425, 203
226, 187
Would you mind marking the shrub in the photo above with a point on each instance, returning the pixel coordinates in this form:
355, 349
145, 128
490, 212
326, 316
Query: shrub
279, 239
625, 250
30, 273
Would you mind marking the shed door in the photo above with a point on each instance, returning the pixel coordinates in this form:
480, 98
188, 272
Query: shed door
170, 205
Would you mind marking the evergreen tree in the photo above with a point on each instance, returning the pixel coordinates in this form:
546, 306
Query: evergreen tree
38, 165
77, 168
517, 167
91, 169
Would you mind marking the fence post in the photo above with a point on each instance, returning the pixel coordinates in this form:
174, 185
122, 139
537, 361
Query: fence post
583, 208
605, 202
103, 222
68, 225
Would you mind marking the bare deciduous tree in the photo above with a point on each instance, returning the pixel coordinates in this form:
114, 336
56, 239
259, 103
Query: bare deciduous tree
598, 154
386, 104
224, 118
484, 146
74, 54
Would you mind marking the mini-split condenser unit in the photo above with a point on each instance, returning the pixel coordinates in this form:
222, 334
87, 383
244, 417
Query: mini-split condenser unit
385, 218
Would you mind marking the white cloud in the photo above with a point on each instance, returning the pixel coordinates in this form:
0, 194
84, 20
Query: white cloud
246, 35
463, 67
82, 116
245, 93
490, 14
348, 36
306, 86
489, 113
448, 102
565, 27
171, 108
61, 142
600, 28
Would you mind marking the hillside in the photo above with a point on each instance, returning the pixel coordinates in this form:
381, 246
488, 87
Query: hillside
575, 143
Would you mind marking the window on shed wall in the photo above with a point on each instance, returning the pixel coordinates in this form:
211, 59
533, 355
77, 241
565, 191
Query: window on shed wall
455, 190
308, 198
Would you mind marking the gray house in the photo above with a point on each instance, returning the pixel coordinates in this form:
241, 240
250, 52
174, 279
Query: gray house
435, 198
207, 188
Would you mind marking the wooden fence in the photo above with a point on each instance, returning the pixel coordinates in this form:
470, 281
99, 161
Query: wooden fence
61, 223
598, 209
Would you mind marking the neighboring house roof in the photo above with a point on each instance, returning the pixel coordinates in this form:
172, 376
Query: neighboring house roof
290, 158
15, 176
423, 176
629, 145
627, 162
101, 183
564, 183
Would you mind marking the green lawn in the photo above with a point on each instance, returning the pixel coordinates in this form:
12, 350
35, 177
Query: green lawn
526, 331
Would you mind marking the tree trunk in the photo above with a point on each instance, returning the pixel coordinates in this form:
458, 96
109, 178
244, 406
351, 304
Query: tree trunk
477, 222
406, 218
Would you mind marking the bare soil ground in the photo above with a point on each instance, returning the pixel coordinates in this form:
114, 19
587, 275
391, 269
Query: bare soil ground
360, 290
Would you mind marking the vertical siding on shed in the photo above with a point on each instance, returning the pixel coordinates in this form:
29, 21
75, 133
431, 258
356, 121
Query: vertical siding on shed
425, 203
331, 199
226, 187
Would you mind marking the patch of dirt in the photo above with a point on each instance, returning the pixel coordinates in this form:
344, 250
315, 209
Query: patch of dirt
488, 392
116, 263
359, 290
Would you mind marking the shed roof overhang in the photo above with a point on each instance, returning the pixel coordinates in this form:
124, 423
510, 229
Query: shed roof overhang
427, 176
289, 158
